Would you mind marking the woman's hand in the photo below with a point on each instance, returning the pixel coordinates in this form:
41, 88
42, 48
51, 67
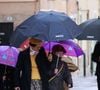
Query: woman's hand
17, 88
70, 85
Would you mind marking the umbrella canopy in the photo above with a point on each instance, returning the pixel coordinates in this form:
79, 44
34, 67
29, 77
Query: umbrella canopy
72, 49
8, 55
91, 30
47, 26
25, 44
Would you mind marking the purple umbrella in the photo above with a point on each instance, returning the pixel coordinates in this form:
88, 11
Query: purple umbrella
8, 55
72, 49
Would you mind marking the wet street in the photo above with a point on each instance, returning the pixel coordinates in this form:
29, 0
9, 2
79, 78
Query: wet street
85, 83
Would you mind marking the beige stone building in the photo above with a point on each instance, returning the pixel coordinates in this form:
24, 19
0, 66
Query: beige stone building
18, 10
88, 9
67, 6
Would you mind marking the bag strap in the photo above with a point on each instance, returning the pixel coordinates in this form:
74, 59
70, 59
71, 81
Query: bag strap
56, 74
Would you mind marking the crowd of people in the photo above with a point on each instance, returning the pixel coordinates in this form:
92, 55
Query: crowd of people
35, 70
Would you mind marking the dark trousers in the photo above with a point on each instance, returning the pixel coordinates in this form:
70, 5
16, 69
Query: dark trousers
6, 85
98, 82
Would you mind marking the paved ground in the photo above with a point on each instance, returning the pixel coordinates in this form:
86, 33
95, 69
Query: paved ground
84, 83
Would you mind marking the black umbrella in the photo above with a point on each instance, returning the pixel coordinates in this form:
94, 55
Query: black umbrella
91, 30
46, 25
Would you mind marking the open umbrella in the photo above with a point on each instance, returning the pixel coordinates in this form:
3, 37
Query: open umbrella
91, 30
72, 49
8, 55
47, 26
25, 44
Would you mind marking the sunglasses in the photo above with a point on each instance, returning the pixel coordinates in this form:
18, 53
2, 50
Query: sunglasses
33, 45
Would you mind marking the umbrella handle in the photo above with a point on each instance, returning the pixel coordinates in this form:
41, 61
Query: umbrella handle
50, 56
57, 61
50, 47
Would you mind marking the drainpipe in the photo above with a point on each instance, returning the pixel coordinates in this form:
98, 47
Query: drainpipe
67, 7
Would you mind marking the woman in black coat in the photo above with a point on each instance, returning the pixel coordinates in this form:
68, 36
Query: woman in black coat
59, 71
23, 72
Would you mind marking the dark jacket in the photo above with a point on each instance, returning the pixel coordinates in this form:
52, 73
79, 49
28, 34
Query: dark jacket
96, 57
24, 66
7, 72
56, 80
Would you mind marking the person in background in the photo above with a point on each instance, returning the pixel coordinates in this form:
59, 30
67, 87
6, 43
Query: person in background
32, 67
6, 77
59, 71
96, 58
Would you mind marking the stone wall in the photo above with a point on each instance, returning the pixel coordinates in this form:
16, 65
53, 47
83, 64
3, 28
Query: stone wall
17, 12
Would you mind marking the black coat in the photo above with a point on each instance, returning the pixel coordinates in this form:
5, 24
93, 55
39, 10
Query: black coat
96, 57
7, 72
24, 66
56, 82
